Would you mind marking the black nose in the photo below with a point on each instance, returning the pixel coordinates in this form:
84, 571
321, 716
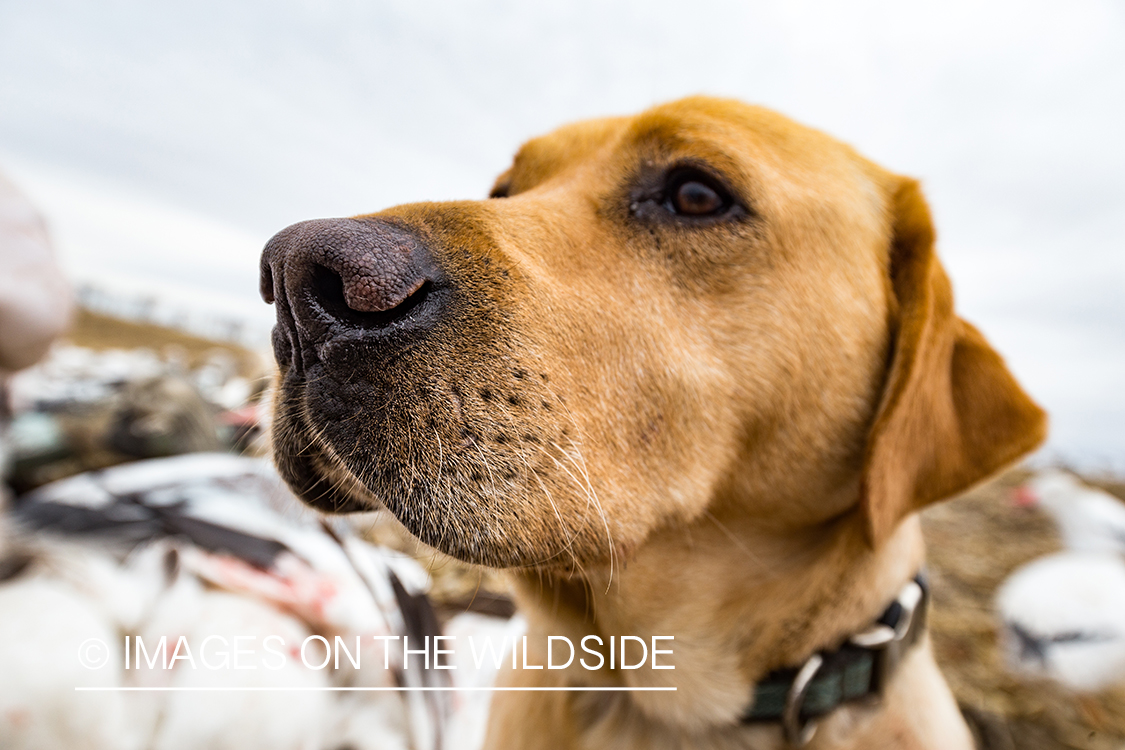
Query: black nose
355, 273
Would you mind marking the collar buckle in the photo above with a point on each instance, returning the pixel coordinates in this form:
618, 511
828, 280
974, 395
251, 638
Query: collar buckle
889, 643
859, 670
799, 731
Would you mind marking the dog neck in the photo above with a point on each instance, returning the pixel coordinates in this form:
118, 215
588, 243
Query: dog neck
739, 600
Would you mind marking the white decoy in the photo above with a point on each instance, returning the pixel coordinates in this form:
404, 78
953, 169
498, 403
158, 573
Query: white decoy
221, 641
240, 529
1063, 617
231, 523
54, 639
483, 645
342, 587
122, 591
1089, 519
360, 721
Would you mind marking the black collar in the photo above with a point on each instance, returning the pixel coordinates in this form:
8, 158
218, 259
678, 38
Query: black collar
856, 671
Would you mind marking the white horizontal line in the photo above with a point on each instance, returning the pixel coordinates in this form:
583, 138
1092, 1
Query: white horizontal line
369, 689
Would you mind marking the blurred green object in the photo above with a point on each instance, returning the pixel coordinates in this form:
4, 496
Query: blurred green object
36, 434
152, 418
36, 441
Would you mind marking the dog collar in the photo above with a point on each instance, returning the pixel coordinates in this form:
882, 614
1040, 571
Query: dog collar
858, 671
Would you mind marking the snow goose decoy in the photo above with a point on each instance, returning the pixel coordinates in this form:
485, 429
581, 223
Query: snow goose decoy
1089, 519
234, 526
1064, 618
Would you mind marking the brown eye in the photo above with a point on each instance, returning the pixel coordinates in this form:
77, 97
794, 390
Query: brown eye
692, 198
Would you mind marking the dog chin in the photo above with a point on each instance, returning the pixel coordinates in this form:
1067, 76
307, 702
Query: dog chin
446, 522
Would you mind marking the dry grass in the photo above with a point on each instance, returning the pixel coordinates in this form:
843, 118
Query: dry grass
96, 331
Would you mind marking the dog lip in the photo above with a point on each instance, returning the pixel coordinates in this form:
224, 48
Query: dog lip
315, 489
301, 470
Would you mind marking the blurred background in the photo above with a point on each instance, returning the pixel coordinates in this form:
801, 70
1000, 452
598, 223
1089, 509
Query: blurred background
164, 143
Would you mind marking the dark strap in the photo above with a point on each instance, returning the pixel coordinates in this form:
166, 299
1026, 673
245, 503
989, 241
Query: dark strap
847, 674
851, 672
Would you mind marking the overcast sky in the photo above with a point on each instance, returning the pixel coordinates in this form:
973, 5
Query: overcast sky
167, 141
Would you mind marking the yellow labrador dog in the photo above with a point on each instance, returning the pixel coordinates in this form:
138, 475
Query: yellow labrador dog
690, 374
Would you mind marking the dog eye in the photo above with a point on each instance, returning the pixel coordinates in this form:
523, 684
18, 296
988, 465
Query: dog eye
691, 194
696, 199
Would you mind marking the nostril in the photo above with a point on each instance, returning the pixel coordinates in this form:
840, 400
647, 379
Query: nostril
328, 292
328, 289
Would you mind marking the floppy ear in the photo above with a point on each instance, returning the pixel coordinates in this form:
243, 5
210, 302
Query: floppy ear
951, 412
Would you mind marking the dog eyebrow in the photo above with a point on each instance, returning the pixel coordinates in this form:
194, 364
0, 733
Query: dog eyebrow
659, 134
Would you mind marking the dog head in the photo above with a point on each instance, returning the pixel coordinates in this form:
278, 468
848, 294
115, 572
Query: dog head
704, 304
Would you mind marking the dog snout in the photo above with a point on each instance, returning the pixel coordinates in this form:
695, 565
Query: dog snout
330, 274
